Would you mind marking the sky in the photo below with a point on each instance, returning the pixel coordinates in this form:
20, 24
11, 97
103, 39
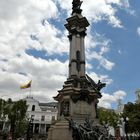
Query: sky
34, 46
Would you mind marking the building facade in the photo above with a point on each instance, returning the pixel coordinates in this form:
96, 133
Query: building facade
42, 114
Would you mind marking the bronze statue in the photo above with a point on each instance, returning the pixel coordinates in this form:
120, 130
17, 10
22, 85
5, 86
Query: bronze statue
95, 86
76, 6
87, 131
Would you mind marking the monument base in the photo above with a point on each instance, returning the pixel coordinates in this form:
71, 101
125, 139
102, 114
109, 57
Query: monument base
60, 131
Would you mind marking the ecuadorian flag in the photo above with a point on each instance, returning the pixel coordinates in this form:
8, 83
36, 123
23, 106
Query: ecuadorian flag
28, 85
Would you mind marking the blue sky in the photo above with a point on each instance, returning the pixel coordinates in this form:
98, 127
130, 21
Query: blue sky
124, 51
34, 45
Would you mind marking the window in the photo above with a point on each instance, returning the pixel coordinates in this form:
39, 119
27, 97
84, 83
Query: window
78, 55
78, 60
33, 107
53, 118
42, 118
32, 117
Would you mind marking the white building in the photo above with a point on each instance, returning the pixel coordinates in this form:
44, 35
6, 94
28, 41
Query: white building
42, 114
119, 111
120, 107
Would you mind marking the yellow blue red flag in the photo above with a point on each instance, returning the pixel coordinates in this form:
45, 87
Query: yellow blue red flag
28, 85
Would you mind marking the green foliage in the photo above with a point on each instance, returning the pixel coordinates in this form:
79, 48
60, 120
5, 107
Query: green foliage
132, 111
21, 128
108, 117
16, 113
1, 108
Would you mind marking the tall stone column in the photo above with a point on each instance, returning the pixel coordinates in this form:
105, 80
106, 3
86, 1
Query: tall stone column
82, 56
70, 50
39, 128
33, 127
76, 25
73, 71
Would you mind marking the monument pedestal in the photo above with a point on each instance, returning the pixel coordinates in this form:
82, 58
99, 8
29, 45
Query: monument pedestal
76, 103
77, 100
60, 131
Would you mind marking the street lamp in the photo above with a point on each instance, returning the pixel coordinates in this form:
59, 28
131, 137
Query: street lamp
125, 126
126, 119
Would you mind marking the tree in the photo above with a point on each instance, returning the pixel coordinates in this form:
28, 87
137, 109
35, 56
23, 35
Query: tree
108, 117
16, 113
132, 111
2, 103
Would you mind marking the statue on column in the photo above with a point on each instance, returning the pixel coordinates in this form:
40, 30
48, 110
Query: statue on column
76, 6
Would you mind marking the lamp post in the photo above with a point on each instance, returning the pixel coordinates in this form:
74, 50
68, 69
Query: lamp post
118, 130
125, 126
126, 119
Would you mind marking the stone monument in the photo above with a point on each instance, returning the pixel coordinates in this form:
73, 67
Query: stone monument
78, 98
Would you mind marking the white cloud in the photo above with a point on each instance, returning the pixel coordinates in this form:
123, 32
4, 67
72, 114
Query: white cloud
20, 19
47, 76
123, 3
107, 99
103, 78
103, 45
100, 10
106, 64
51, 39
138, 31
65, 4
119, 51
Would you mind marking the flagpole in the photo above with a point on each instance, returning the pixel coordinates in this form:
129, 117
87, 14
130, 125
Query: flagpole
30, 91
28, 85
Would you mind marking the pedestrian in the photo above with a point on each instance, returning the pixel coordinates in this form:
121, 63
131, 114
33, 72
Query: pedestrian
10, 136
118, 138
